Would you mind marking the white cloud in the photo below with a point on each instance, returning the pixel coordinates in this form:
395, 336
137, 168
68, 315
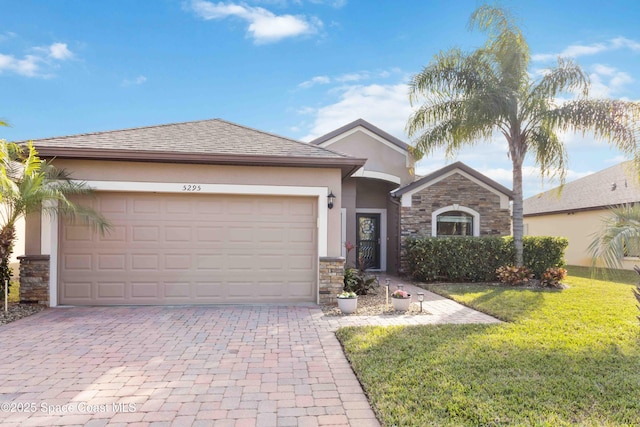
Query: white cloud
317, 80
60, 51
264, 26
137, 81
385, 106
32, 65
353, 77
575, 51
27, 66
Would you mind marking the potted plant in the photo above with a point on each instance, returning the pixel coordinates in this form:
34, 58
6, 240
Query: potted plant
348, 302
401, 300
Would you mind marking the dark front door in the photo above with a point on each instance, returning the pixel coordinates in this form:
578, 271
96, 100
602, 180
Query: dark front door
368, 241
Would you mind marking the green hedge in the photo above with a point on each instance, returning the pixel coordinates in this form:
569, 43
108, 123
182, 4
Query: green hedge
475, 259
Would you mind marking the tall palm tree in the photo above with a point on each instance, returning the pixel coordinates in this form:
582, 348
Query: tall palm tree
29, 184
468, 97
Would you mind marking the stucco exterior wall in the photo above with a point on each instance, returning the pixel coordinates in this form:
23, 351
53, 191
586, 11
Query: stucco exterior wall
209, 174
381, 157
578, 228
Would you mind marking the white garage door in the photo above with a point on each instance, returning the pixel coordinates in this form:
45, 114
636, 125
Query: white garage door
191, 249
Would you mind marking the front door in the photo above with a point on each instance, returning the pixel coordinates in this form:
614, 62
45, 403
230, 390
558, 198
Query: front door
368, 241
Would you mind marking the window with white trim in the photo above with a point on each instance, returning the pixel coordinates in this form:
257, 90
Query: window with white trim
454, 223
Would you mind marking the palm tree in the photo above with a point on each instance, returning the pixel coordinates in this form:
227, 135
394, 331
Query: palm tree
618, 237
468, 97
29, 184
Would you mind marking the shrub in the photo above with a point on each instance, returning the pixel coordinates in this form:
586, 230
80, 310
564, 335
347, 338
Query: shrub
513, 275
461, 259
475, 259
552, 276
358, 281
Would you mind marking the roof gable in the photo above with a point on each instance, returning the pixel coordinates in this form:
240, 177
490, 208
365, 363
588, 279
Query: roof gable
440, 174
609, 187
360, 124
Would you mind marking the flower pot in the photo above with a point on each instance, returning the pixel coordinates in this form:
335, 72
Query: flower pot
348, 305
401, 304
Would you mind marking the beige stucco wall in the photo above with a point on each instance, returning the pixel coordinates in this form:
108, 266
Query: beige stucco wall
380, 156
578, 228
211, 174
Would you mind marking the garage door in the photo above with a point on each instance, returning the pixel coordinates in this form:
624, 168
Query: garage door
191, 249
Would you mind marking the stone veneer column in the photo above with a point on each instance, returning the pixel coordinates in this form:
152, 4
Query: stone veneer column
34, 279
331, 279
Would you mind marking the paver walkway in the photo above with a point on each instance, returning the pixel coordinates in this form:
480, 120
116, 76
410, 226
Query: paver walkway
188, 366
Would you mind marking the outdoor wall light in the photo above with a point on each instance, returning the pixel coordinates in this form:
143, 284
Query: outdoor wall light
420, 298
331, 198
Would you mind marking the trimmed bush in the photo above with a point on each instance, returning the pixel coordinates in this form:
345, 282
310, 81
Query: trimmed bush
476, 259
459, 259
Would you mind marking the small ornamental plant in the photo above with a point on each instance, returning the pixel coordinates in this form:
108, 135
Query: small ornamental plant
552, 276
347, 295
514, 276
400, 294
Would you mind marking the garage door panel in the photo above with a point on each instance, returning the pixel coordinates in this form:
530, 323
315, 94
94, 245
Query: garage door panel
192, 249
111, 290
77, 262
117, 234
177, 262
177, 290
78, 290
145, 262
145, 290
112, 262
209, 262
210, 290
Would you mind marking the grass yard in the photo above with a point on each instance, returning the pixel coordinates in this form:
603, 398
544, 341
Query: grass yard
565, 358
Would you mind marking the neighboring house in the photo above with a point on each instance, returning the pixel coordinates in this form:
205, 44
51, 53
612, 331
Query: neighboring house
576, 210
213, 212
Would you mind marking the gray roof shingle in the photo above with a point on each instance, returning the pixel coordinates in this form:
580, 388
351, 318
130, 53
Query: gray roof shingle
210, 137
609, 187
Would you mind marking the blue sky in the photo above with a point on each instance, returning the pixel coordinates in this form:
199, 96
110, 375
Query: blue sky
297, 68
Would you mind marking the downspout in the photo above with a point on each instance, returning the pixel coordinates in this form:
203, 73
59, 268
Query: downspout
396, 201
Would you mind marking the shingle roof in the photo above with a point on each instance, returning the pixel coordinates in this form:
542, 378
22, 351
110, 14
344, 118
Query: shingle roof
609, 187
205, 141
457, 165
207, 137
365, 124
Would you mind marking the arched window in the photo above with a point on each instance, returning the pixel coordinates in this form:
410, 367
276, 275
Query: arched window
455, 220
454, 223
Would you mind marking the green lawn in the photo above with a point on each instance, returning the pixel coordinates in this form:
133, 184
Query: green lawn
565, 358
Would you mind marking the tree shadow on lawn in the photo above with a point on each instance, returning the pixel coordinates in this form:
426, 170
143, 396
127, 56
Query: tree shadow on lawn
509, 304
493, 375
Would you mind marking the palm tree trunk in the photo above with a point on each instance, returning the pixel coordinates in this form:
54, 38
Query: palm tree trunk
7, 238
517, 215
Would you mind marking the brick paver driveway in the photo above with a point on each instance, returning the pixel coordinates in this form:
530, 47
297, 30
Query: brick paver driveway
227, 366
157, 366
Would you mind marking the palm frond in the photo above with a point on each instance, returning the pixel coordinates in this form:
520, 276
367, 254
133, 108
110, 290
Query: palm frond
613, 120
620, 231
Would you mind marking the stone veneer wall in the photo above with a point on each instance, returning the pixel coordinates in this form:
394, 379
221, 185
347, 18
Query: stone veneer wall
456, 189
34, 279
331, 279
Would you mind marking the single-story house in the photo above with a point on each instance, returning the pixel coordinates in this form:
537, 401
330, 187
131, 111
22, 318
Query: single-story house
212, 212
576, 210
